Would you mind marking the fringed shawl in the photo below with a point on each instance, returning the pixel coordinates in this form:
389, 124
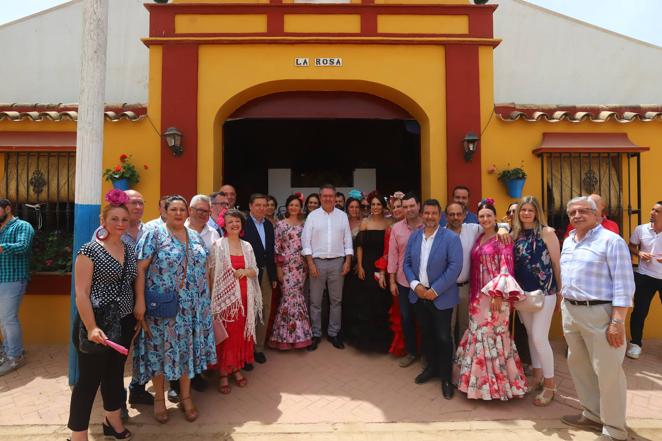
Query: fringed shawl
226, 296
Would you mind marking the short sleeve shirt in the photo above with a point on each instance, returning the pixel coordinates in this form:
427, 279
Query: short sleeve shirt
107, 275
649, 242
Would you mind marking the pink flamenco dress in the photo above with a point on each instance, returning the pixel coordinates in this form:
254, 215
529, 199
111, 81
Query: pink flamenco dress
487, 365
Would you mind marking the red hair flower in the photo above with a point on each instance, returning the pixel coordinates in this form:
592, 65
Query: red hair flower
124, 157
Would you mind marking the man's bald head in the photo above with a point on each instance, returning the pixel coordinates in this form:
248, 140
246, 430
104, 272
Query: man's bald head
599, 203
136, 205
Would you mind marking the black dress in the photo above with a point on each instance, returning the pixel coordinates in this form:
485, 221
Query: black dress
367, 313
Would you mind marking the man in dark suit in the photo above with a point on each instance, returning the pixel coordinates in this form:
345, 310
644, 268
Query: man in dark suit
433, 261
259, 232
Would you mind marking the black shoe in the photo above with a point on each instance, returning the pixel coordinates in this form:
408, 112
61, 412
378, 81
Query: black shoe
248, 367
173, 396
447, 389
199, 384
336, 342
260, 357
140, 396
424, 376
108, 430
124, 412
314, 344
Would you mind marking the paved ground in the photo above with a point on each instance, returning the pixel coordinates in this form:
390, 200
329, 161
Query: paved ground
328, 394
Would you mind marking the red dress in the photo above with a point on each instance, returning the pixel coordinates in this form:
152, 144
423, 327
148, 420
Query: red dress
236, 351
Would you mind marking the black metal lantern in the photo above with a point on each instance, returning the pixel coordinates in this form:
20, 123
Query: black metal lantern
470, 144
173, 139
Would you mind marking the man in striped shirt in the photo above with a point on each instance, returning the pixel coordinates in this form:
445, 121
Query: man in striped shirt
15, 244
597, 287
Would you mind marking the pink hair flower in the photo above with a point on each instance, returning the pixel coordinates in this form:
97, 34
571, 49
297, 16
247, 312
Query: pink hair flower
116, 197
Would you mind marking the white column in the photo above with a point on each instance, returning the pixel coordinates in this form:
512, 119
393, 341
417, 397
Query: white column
89, 137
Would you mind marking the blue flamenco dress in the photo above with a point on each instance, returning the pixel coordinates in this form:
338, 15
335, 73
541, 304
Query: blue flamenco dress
183, 345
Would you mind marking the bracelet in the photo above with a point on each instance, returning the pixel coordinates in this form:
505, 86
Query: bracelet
616, 321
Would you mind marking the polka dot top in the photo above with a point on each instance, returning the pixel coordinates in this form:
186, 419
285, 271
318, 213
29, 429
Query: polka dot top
106, 277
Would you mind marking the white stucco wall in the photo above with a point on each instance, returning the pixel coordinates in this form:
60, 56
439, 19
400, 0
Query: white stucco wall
41, 55
548, 58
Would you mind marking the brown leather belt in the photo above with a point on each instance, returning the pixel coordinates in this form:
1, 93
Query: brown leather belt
587, 302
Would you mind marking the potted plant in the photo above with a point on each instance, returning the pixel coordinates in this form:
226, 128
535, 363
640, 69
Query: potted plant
51, 252
514, 179
124, 175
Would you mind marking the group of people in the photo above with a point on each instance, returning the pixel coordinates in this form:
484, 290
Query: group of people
192, 292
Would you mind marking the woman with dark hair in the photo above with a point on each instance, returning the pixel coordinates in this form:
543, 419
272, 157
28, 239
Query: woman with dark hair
353, 210
236, 299
270, 213
291, 329
489, 366
105, 271
312, 203
178, 342
538, 266
368, 324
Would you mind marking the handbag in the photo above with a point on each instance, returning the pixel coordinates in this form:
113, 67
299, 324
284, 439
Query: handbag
107, 318
166, 304
533, 302
220, 333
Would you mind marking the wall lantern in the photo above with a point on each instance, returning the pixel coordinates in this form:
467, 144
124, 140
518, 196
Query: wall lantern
470, 145
173, 138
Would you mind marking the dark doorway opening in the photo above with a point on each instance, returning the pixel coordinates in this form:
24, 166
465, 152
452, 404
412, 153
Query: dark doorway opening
321, 150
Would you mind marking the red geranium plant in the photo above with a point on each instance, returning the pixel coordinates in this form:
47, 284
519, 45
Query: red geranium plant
124, 170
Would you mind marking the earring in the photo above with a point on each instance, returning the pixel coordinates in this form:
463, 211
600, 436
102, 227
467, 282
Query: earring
101, 234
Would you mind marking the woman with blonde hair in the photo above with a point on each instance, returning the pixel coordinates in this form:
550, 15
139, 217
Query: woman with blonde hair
236, 299
537, 267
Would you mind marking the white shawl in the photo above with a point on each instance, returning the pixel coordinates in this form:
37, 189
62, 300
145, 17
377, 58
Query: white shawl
226, 296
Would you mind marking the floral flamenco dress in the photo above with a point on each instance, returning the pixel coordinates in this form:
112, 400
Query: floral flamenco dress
487, 364
291, 328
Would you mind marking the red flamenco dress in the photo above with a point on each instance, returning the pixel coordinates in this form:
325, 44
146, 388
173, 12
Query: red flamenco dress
235, 351
397, 348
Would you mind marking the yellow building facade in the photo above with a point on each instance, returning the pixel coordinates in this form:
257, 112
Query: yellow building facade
428, 63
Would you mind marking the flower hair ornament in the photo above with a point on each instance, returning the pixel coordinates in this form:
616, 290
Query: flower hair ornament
299, 195
355, 194
116, 198
486, 201
398, 195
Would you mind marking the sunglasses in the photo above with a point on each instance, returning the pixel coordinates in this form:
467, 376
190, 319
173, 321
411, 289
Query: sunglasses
365, 206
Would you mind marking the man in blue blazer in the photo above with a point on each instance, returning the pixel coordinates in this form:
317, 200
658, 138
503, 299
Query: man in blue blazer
433, 261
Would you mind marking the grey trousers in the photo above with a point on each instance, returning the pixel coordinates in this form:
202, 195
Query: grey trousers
261, 329
330, 275
460, 320
595, 366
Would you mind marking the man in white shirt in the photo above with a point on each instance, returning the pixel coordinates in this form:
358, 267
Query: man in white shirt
327, 246
646, 244
198, 216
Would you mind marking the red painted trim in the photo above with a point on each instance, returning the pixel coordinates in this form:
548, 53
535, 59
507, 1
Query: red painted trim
49, 284
179, 108
162, 17
18, 141
462, 116
37, 149
317, 40
541, 151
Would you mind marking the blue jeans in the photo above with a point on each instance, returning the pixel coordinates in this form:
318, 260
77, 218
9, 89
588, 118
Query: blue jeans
408, 320
11, 294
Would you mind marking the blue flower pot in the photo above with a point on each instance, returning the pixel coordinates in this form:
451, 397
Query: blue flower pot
121, 184
514, 187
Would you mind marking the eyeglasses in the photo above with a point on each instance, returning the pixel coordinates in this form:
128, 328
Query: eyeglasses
137, 203
365, 206
580, 211
201, 211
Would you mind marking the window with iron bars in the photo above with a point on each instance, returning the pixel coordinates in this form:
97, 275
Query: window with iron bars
40, 186
615, 176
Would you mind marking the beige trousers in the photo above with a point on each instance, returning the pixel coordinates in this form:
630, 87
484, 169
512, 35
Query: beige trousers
460, 320
261, 328
596, 367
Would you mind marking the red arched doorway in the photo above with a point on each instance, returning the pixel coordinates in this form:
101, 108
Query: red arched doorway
295, 141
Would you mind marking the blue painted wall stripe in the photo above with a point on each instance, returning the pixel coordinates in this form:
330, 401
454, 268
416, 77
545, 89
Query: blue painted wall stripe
86, 221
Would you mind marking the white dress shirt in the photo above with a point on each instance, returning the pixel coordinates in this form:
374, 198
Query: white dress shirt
426, 246
327, 235
649, 242
468, 236
208, 234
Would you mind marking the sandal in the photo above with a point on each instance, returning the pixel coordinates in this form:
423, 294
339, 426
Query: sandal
541, 400
224, 388
239, 379
161, 416
190, 414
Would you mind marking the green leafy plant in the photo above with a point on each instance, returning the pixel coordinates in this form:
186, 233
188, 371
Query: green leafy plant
510, 174
52, 252
124, 170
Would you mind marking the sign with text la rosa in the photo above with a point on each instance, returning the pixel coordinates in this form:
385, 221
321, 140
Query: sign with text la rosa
318, 62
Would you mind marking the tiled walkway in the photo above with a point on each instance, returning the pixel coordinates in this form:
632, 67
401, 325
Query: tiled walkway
327, 386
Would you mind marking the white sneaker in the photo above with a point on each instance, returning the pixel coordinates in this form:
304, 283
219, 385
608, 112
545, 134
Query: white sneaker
11, 364
634, 351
